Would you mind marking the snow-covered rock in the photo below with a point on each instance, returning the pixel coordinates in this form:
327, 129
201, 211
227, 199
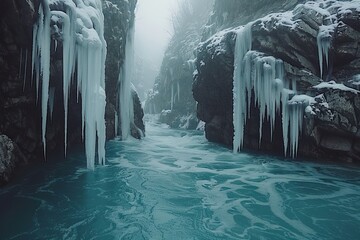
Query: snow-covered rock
318, 42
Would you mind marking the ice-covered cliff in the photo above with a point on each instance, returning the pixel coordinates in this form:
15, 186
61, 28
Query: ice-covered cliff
66, 94
285, 82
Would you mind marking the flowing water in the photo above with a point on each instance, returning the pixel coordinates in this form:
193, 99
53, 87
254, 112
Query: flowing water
176, 185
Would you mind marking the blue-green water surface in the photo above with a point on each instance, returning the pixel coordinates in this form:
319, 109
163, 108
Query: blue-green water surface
176, 185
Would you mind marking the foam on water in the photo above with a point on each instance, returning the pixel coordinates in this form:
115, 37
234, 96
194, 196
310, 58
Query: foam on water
176, 185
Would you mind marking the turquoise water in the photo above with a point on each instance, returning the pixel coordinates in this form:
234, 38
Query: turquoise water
176, 185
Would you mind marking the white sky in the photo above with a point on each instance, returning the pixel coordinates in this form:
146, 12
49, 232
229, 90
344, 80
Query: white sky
153, 28
153, 31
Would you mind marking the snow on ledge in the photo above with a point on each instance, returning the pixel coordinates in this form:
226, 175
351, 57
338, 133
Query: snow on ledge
335, 86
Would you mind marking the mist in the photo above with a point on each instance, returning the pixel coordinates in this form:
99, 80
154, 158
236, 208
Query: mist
153, 31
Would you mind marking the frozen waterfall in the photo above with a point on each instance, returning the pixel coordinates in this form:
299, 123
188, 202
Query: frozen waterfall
84, 49
263, 77
125, 77
242, 46
324, 43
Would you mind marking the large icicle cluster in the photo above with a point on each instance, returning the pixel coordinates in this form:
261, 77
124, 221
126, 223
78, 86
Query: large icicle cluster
84, 50
264, 77
330, 11
126, 104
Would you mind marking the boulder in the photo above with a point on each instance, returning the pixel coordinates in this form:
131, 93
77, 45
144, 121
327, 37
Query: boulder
10, 157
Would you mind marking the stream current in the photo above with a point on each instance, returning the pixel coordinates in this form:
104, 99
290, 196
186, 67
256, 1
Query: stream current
175, 185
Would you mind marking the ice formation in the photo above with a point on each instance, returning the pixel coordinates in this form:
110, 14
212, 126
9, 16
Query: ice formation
125, 98
242, 46
172, 97
84, 49
178, 91
330, 11
264, 77
324, 43
334, 85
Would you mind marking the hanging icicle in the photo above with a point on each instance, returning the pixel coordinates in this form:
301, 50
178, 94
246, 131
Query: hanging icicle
125, 78
84, 48
264, 77
324, 42
172, 97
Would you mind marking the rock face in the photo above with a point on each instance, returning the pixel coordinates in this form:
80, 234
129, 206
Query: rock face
330, 126
119, 18
10, 157
233, 13
20, 115
171, 96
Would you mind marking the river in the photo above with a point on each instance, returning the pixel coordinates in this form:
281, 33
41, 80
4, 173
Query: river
175, 185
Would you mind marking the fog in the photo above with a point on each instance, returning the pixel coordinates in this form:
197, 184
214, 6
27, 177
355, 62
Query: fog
153, 31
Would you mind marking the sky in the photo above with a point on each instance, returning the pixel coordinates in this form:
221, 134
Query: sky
153, 31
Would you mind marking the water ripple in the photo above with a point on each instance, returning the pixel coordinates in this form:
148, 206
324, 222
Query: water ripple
176, 185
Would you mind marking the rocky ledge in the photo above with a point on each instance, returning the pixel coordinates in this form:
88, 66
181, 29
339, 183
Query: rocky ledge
318, 43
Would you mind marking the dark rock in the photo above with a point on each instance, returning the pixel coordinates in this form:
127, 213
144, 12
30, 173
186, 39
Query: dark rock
118, 19
10, 157
356, 146
232, 13
340, 114
212, 87
346, 45
218, 130
305, 80
110, 112
138, 128
337, 143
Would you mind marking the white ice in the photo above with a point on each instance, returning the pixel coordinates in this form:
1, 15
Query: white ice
125, 78
334, 85
263, 76
84, 49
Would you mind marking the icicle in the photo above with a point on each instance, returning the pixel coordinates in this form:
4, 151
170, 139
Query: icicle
51, 101
243, 45
20, 61
264, 75
34, 55
178, 91
55, 45
42, 48
324, 43
285, 120
25, 69
100, 125
125, 78
172, 97
84, 45
67, 65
